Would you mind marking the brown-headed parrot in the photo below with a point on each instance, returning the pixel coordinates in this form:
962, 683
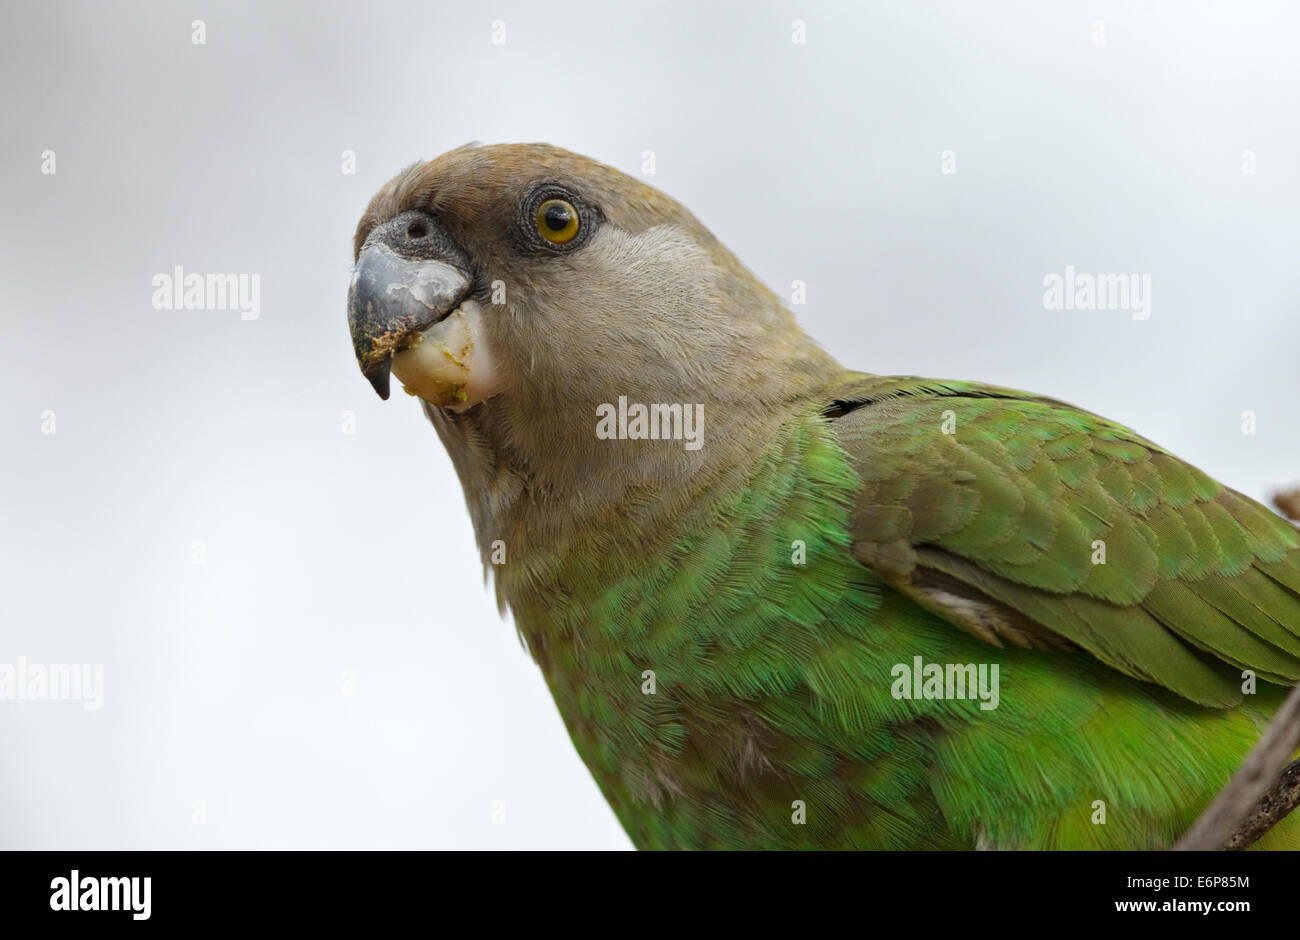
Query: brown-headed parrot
780, 603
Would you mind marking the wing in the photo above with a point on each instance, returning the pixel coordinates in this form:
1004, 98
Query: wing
1026, 521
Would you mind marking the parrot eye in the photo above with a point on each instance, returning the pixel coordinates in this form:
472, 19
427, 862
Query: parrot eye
557, 221
554, 218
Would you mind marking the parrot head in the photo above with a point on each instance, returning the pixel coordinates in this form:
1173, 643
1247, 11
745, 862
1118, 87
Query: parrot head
530, 271
518, 290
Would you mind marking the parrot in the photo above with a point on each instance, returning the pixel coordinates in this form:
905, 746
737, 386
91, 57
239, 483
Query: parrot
782, 604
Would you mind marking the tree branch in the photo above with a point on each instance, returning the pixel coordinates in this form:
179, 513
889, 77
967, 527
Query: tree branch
1272, 809
1259, 794
1288, 502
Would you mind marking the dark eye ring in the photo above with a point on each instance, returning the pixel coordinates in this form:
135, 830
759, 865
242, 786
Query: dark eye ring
555, 218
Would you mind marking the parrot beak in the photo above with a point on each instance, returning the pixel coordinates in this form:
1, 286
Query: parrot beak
409, 277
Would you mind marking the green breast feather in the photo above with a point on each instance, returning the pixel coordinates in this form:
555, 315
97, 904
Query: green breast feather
744, 677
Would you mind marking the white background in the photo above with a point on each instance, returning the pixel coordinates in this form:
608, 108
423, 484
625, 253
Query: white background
330, 553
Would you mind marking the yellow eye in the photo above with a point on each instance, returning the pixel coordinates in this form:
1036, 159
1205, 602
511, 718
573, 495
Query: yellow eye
557, 221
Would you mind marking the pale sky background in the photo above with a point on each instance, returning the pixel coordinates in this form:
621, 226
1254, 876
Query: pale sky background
329, 553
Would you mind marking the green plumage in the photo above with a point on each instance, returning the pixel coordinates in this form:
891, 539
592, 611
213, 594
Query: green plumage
1120, 682
734, 629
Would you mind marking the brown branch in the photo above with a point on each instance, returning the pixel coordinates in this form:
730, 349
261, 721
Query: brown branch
1288, 502
1259, 794
1272, 809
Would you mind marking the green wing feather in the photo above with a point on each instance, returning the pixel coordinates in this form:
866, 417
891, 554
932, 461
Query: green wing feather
991, 507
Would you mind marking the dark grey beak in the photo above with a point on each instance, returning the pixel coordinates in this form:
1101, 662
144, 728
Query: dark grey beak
409, 275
